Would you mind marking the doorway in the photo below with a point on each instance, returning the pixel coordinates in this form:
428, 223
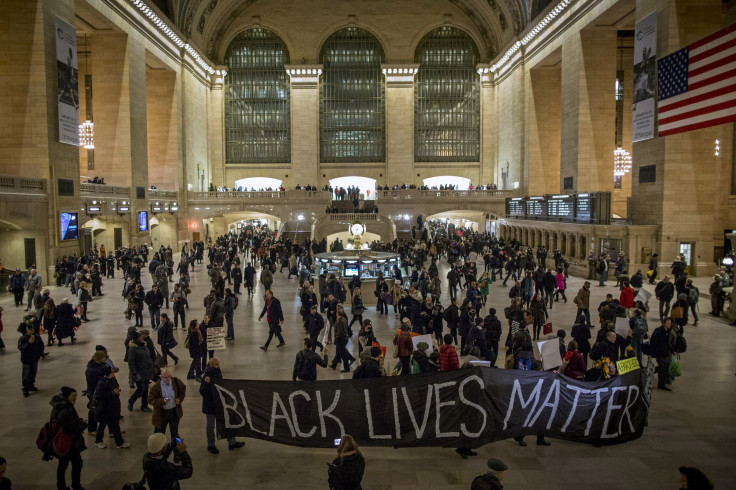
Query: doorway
85, 242
30, 251
686, 250
117, 237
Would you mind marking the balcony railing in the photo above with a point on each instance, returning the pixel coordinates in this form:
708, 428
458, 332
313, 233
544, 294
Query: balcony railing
162, 194
103, 190
433, 194
354, 217
292, 195
22, 185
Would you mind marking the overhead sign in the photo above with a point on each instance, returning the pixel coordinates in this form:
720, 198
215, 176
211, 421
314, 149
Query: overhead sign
67, 82
593, 207
460, 408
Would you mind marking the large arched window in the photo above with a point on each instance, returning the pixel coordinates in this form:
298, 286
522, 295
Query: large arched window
257, 120
352, 98
447, 98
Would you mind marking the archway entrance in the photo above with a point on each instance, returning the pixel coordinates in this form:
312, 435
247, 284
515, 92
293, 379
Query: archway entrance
257, 184
458, 183
365, 185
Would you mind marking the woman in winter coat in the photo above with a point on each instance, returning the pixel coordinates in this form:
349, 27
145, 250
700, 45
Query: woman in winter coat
346, 470
209, 407
575, 363
538, 311
467, 319
107, 394
581, 334
197, 350
527, 286
357, 308
561, 286
65, 321
49, 319
63, 411
396, 296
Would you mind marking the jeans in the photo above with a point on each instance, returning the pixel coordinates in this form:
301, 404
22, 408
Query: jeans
693, 306
138, 317
30, 299
18, 293
230, 330
493, 352
381, 307
170, 418
342, 354
584, 311
29, 375
113, 424
155, 317
179, 312
636, 345
68, 279
75, 458
664, 308
210, 431
141, 391
604, 278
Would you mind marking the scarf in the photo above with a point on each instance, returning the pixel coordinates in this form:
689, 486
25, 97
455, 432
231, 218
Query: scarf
199, 334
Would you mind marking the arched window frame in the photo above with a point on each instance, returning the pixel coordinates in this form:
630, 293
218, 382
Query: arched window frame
447, 97
352, 98
257, 99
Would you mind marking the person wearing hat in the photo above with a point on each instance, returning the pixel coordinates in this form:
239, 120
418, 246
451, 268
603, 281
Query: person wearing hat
305, 364
491, 480
64, 412
366, 336
159, 473
92, 375
315, 324
107, 394
17, 286
371, 368
420, 357
402, 340
31, 351
582, 301
141, 367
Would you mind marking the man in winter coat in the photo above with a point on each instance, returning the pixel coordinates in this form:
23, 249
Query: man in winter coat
492, 328
17, 286
140, 364
664, 292
275, 318
662, 350
154, 299
166, 397
371, 368
34, 281
315, 324
306, 362
30, 346
582, 300
249, 273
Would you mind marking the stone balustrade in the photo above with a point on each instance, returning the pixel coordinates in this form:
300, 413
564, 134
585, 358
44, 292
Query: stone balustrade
22, 185
104, 190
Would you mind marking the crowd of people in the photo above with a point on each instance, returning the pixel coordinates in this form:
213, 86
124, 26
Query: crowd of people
464, 328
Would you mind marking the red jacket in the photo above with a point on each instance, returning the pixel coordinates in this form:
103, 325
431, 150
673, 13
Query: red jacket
576, 367
627, 297
448, 358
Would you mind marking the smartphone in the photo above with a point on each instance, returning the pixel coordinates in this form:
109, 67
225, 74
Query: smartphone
178, 441
337, 442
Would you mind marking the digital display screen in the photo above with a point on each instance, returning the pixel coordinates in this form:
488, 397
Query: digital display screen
535, 207
69, 226
351, 271
562, 207
514, 207
142, 220
582, 207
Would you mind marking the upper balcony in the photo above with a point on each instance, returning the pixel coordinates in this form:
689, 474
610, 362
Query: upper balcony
26, 187
431, 196
259, 197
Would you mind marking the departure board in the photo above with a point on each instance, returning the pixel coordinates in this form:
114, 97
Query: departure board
592, 207
561, 207
535, 207
515, 207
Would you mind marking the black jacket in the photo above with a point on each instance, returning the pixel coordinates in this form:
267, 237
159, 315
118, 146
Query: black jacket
63, 410
665, 291
315, 324
581, 334
348, 472
369, 369
154, 299
162, 475
208, 390
108, 403
305, 365
276, 315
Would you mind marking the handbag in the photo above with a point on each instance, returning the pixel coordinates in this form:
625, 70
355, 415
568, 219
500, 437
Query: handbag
172, 343
396, 351
388, 299
61, 443
650, 272
509, 362
547, 328
677, 312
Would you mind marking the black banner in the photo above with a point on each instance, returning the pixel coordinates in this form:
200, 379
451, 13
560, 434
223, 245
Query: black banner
460, 408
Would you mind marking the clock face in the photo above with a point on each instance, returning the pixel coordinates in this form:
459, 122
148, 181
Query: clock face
357, 229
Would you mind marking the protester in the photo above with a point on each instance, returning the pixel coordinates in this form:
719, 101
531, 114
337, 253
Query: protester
491, 480
158, 472
107, 394
275, 318
346, 470
209, 407
306, 362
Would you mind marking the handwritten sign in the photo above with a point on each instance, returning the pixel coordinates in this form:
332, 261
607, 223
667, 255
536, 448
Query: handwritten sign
216, 338
625, 365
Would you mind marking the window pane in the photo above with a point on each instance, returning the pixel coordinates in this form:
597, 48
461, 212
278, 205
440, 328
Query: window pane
447, 98
352, 98
257, 120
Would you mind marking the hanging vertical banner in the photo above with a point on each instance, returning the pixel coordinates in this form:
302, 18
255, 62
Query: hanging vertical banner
68, 91
645, 57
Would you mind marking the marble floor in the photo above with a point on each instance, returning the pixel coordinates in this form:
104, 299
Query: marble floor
694, 425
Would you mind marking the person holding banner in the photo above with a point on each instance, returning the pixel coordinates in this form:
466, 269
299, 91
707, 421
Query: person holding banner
209, 406
275, 318
305, 364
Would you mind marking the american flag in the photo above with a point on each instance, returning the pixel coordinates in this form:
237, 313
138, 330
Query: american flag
697, 84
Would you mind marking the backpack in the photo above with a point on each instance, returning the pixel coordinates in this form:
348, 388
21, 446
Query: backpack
640, 327
305, 366
53, 441
595, 351
524, 364
680, 342
694, 295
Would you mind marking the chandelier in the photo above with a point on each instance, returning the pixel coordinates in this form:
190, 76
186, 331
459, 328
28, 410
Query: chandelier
87, 135
621, 162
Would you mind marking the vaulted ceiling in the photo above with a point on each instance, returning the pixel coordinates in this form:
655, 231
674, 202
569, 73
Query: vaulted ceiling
497, 22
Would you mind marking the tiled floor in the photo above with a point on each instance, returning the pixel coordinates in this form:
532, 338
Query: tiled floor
694, 425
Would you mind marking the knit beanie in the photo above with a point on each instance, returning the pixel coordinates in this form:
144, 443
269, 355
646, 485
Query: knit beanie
67, 391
